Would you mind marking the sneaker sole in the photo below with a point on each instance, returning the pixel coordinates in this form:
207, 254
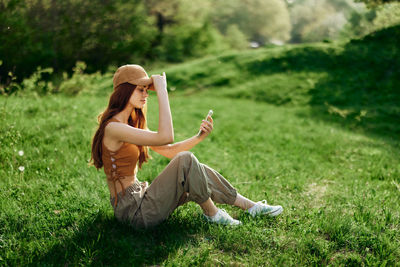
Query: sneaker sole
226, 224
271, 214
219, 223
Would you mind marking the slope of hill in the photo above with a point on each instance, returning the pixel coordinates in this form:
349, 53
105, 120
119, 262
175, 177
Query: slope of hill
356, 84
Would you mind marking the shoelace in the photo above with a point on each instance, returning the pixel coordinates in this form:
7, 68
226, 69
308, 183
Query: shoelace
224, 215
259, 207
223, 211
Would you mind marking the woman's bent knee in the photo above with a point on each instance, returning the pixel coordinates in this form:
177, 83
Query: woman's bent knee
185, 154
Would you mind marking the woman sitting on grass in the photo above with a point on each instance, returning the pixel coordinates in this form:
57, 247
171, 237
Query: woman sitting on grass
121, 145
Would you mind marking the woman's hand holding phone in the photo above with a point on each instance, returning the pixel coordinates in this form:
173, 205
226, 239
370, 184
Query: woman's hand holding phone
206, 126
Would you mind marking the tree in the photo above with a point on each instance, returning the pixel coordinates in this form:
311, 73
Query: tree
170, 13
259, 20
373, 3
364, 21
235, 37
316, 20
264, 20
57, 34
387, 15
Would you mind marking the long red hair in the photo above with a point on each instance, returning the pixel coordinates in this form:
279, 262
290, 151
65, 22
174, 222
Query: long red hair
118, 101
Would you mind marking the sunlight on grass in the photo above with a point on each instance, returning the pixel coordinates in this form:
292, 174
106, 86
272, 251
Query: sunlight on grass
338, 188
310, 127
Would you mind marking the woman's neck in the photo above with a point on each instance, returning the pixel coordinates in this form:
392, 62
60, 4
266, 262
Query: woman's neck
123, 116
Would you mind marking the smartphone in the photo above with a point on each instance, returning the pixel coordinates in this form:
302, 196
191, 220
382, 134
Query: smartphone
210, 113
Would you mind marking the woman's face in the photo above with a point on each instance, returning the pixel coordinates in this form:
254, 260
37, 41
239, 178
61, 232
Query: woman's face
139, 96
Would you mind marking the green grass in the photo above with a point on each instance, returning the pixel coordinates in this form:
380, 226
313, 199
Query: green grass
354, 84
291, 125
339, 189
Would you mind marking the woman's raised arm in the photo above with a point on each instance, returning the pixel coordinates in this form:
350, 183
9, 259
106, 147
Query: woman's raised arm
165, 133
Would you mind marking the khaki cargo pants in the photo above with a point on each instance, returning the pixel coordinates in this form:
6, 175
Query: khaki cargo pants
184, 179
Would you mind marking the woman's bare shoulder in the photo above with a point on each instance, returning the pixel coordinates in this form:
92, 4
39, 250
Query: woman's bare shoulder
112, 123
109, 139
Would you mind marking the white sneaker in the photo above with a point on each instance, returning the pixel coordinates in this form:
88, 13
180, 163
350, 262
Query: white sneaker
222, 217
262, 208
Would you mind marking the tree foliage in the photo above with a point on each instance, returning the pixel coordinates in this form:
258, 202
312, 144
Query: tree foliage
183, 29
364, 21
235, 37
258, 20
316, 20
387, 15
57, 34
373, 3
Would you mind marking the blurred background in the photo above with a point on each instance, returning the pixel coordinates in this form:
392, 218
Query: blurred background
49, 40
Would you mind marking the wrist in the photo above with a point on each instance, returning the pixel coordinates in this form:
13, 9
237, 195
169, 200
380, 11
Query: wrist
160, 87
162, 91
200, 137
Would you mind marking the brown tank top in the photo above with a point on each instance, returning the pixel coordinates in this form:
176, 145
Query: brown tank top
119, 163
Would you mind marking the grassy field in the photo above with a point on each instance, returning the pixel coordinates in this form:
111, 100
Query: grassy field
330, 161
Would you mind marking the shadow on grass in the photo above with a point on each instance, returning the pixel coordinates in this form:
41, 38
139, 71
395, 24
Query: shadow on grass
362, 88
103, 241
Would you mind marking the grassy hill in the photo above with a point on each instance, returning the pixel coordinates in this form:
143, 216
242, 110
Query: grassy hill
356, 84
313, 128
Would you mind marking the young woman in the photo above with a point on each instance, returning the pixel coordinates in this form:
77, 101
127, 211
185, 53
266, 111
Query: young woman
121, 143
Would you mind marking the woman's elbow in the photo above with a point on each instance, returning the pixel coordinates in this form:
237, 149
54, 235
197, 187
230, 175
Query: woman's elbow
170, 139
167, 139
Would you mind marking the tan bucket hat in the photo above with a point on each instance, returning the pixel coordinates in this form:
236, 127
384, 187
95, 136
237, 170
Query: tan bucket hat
133, 74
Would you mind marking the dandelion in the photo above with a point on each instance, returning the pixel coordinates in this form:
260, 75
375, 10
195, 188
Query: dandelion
21, 153
21, 168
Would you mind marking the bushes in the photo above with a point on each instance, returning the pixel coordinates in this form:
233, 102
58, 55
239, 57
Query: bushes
58, 34
54, 34
39, 84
